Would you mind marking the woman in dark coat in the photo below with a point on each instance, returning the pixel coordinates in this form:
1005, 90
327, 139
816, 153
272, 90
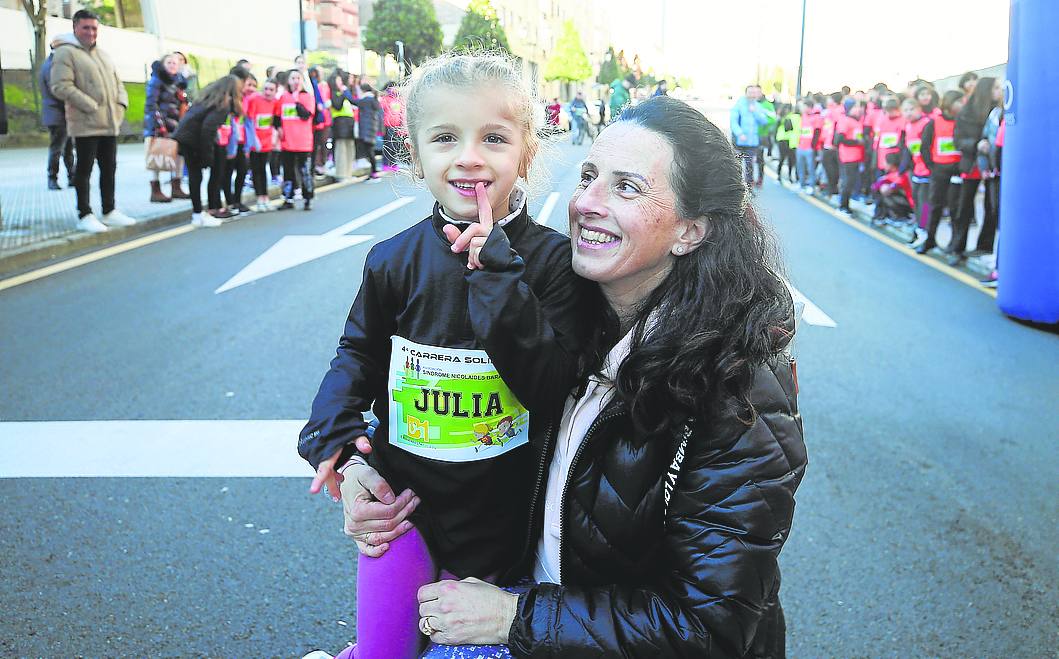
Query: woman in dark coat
163, 105
665, 486
369, 125
966, 135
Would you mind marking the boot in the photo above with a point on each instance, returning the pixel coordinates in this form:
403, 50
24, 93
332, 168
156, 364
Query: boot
177, 192
157, 196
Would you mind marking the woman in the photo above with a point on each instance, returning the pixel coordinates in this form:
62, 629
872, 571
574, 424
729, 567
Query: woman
664, 490
344, 123
197, 139
369, 125
970, 123
163, 106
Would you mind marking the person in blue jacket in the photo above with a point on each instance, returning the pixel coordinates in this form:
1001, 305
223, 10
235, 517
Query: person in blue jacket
60, 144
747, 117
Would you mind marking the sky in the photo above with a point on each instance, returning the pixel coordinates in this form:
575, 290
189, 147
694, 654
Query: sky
721, 43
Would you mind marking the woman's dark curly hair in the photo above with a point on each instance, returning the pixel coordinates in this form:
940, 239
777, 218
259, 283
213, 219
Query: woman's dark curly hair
722, 311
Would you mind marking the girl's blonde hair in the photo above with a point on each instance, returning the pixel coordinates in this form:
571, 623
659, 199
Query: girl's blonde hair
471, 69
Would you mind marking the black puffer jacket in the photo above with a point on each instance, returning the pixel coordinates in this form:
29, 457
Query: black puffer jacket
700, 581
161, 108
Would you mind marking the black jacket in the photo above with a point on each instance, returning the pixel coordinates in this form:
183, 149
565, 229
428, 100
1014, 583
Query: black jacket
473, 515
966, 134
161, 107
700, 581
197, 132
369, 123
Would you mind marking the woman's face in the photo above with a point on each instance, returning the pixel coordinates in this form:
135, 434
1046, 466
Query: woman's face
624, 226
969, 86
998, 91
171, 65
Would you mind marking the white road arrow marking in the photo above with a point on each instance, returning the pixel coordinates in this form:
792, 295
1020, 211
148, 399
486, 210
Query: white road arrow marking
292, 251
810, 313
546, 210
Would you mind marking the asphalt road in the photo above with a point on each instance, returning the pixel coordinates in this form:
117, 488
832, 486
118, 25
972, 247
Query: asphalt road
926, 524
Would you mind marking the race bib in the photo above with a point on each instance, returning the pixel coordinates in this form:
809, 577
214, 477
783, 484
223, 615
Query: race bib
289, 111
888, 140
914, 146
858, 134
263, 121
450, 404
946, 145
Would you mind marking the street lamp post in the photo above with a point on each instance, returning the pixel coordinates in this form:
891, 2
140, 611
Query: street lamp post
801, 57
301, 27
400, 58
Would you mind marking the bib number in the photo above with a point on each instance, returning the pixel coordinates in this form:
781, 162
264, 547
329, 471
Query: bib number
288, 111
946, 146
888, 140
914, 146
263, 121
451, 405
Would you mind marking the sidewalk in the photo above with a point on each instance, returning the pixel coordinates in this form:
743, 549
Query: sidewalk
40, 224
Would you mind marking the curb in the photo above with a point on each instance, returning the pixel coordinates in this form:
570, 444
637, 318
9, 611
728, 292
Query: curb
30, 257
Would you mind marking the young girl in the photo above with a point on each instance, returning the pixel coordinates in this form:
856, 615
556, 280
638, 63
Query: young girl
243, 139
369, 125
942, 158
296, 110
260, 109
428, 345
197, 137
849, 136
912, 142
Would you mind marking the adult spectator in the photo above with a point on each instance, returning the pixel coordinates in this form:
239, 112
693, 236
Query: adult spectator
619, 95
162, 108
85, 79
54, 117
662, 89
369, 125
747, 118
967, 133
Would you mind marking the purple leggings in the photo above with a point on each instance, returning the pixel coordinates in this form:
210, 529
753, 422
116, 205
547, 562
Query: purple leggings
387, 599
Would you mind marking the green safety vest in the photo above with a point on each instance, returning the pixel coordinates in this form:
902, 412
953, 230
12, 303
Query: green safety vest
346, 111
791, 135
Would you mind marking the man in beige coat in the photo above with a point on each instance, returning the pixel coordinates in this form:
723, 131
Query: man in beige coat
84, 78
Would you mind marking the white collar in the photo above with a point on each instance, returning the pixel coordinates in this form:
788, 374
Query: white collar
516, 203
622, 348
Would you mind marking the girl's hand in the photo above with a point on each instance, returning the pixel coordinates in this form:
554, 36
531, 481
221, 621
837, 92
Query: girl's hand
373, 516
473, 237
467, 612
326, 475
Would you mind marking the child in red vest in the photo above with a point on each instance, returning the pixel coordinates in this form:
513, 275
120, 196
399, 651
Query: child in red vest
912, 158
296, 109
849, 136
894, 190
942, 158
261, 110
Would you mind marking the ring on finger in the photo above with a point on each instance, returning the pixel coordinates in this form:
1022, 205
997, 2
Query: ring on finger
426, 627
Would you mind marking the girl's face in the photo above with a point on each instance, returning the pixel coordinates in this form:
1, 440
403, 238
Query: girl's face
911, 113
624, 226
294, 81
923, 96
250, 87
998, 91
469, 136
269, 91
171, 65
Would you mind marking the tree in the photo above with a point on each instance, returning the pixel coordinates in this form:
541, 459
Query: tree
480, 28
410, 21
608, 69
37, 11
568, 63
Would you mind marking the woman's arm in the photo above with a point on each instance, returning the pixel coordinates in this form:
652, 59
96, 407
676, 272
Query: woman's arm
729, 516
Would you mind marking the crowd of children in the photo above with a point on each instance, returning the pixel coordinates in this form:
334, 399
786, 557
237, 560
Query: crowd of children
296, 125
914, 155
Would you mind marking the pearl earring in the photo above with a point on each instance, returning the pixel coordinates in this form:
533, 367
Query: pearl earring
680, 249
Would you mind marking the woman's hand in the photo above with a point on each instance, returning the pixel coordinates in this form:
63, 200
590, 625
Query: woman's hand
467, 612
373, 516
473, 237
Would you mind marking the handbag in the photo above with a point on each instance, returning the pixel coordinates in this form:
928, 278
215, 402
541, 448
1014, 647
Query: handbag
161, 154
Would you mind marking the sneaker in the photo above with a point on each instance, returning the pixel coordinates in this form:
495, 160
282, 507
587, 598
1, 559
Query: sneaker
262, 207
116, 218
233, 210
53, 184
91, 224
374, 175
221, 213
845, 211
286, 205
242, 208
205, 220
308, 205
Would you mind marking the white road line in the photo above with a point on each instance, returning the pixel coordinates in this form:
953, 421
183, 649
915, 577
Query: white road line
50, 449
357, 223
810, 313
546, 210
